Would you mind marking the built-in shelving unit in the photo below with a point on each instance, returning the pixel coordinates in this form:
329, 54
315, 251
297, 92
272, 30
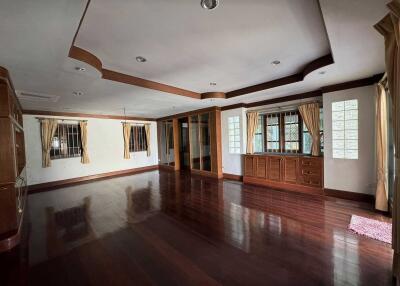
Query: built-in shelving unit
13, 187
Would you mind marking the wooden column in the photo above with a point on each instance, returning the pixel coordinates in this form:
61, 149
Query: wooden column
216, 149
175, 124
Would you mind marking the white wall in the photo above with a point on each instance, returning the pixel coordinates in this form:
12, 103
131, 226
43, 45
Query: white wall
352, 175
106, 151
233, 163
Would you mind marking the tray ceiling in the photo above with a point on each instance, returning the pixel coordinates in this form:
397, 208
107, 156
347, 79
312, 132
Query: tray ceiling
185, 46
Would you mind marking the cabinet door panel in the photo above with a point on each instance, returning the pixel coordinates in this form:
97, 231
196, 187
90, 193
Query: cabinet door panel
290, 170
261, 171
274, 168
249, 166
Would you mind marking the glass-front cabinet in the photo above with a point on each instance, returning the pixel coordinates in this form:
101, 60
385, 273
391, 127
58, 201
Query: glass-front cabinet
200, 137
204, 142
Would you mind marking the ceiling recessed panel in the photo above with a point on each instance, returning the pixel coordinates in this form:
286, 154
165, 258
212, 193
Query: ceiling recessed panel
186, 46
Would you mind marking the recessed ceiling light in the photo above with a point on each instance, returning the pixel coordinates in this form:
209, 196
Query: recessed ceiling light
322, 72
209, 4
81, 69
213, 83
140, 59
276, 62
77, 93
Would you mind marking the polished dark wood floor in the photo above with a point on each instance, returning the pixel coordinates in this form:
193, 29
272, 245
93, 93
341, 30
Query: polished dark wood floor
165, 228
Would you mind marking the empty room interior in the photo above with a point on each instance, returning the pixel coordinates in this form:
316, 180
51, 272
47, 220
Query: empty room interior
199, 142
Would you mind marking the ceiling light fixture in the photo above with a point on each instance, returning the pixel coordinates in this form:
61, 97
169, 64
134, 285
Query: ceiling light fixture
140, 59
209, 4
77, 93
276, 62
322, 72
213, 83
81, 69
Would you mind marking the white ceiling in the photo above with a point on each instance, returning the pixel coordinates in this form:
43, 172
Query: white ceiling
186, 46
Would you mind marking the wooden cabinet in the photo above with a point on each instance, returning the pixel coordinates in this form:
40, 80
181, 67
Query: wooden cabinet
293, 172
13, 188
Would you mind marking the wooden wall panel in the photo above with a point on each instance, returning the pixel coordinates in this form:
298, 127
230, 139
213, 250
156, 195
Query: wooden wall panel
274, 168
175, 124
290, 168
261, 167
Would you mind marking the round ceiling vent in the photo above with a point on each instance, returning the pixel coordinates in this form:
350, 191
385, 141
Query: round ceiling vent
209, 4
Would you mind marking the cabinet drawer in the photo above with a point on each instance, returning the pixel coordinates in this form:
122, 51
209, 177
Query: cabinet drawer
310, 180
310, 162
311, 171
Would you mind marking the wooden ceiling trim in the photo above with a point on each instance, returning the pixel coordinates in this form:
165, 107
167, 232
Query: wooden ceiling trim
85, 115
132, 80
310, 67
207, 95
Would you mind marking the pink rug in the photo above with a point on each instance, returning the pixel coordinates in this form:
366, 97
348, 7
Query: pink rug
372, 228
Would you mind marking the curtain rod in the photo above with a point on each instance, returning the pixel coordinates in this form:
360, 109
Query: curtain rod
134, 123
61, 119
283, 107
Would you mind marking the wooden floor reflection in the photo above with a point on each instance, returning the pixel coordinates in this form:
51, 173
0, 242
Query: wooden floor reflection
165, 228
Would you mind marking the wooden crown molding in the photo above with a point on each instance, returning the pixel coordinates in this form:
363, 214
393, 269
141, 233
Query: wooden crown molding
92, 60
312, 66
85, 115
189, 113
207, 95
316, 93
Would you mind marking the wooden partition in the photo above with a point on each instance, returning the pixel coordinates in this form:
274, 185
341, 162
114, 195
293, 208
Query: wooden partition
12, 165
204, 141
292, 172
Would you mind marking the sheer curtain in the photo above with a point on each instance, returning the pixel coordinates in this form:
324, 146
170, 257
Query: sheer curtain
252, 121
85, 154
381, 196
48, 128
310, 114
127, 134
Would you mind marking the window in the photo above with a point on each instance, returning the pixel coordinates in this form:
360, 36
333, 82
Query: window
283, 132
292, 134
273, 132
234, 134
307, 140
345, 129
138, 141
259, 136
66, 142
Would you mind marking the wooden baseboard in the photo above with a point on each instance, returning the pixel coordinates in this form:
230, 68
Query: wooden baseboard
81, 180
233, 177
349, 195
283, 186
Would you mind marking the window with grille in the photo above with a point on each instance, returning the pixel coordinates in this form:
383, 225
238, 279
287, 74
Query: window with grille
345, 129
138, 140
259, 136
66, 142
292, 131
234, 134
273, 132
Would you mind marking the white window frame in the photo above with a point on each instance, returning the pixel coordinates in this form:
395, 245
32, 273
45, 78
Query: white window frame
345, 129
234, 135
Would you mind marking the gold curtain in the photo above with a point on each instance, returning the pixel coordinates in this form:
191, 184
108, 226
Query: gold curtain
127, 136
147, 129
252, 121
48, 128
85, 154
389, 27
381, 196
310, 114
